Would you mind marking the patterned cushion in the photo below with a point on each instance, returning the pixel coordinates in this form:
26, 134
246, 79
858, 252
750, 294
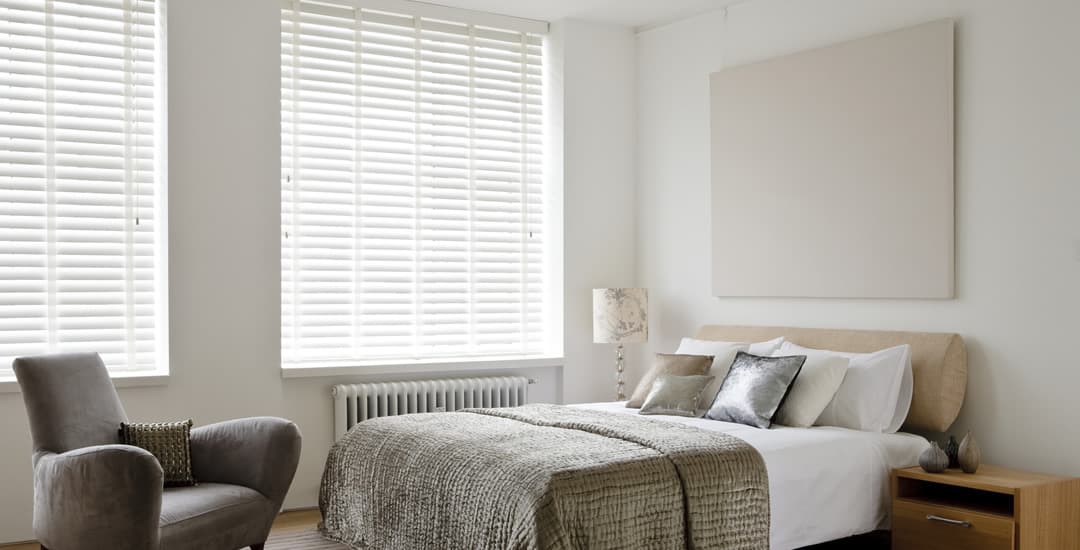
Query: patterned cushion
169, 442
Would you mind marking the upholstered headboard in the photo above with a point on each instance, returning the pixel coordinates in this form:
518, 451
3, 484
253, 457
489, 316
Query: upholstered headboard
938, 361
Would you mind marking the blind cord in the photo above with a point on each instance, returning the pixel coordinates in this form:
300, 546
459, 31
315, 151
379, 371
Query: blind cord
135, 105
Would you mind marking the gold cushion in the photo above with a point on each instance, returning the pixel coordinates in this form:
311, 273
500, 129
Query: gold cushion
669, 363
675, 395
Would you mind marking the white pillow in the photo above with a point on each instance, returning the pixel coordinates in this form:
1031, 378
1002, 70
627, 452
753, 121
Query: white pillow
813, 389
903, 400
869, 399
693, 346
766, 348
723, 354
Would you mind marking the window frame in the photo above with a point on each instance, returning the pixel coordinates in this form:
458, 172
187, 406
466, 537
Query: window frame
159, 374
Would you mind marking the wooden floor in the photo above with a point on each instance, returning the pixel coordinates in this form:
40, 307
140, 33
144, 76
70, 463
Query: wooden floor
295, 520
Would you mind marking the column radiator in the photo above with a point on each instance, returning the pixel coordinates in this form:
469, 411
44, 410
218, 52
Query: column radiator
358, 402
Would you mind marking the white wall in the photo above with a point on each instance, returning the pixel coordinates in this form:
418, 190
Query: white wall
224, 177
1018, 189
599, 128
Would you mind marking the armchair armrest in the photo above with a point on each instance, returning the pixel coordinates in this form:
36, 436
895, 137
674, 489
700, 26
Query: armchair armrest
105, 496
260, 453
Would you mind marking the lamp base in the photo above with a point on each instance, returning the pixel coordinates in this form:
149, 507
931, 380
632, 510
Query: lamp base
620, 382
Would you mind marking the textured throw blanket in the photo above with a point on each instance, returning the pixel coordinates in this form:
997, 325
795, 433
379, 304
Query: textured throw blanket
542, 477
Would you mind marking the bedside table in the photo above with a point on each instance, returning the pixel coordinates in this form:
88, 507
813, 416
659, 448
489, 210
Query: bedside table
993, 509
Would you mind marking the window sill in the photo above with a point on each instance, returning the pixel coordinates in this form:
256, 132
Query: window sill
314, 370
119, 379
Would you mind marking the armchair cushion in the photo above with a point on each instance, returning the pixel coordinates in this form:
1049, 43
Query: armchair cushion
214, 515
169, 442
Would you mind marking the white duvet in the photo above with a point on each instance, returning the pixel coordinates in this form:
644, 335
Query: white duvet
824, 483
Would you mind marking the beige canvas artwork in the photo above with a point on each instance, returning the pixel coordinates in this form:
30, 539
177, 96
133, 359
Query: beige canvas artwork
832, 170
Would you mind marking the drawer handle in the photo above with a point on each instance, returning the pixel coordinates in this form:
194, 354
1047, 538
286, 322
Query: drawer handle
956, 522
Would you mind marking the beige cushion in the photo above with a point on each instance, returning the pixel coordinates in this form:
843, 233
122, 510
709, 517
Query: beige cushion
938, 362
813, 390
669, 363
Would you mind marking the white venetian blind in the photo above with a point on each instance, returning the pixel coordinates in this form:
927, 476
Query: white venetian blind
413, 200
79, 225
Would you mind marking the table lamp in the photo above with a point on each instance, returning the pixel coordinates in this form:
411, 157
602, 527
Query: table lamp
620, 316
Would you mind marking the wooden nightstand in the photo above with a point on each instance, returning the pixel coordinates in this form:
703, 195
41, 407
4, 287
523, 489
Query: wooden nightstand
993, 509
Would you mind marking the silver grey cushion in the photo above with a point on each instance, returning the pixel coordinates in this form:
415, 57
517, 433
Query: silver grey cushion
676, 395
754, 389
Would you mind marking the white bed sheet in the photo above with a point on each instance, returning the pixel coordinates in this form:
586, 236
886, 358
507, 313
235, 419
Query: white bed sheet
825, 483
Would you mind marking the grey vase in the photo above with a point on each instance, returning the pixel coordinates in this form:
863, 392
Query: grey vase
934, 460
969, 454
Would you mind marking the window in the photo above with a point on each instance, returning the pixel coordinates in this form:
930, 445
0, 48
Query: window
81, 200
413, 197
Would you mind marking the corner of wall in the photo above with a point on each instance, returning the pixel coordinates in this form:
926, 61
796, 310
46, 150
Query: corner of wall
599, 128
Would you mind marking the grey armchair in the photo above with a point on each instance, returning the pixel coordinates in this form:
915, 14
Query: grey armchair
91, 492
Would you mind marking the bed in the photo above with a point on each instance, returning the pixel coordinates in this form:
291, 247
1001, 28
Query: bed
598, 475
825, 483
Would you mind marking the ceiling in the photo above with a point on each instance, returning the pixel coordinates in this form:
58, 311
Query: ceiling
630, 13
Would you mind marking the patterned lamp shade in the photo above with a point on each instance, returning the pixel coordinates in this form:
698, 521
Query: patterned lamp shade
620, 315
